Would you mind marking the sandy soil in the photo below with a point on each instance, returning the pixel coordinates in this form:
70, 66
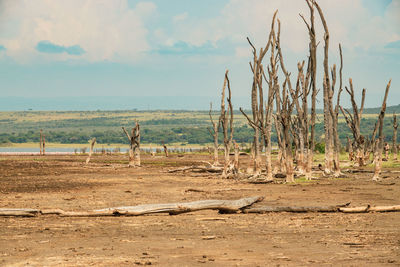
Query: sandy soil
193, 239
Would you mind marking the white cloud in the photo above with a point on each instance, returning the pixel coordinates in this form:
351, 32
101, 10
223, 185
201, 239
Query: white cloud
349, 22
181, 17
106, 30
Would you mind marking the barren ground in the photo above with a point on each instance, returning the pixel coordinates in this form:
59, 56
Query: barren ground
193, 239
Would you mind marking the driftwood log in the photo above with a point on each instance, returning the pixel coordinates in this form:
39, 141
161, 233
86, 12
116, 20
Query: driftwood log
223, 206
265, 209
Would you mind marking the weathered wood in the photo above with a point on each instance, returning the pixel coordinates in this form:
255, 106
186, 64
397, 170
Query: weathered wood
378, 151
214, 134
92, 143
265, 209
226, 120
177, 208
134, 145
262, 124
19, 212
394, 139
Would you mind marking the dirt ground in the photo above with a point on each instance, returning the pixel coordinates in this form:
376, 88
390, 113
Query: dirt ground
203, 238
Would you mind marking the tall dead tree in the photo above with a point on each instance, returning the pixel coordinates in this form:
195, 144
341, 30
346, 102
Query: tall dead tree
394, 139
257, 100
327, 96
379, 150
285, 110
91, 142
41, 142
312, 70
353, 122
261, 120
165, 149
335, 115
134, 145
226, 119
214, 134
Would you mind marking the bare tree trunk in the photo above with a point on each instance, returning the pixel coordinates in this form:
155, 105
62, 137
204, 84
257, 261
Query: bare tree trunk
214, 134
134, 145
41, 142
394, 139
327, 98
259, 125
44, 145
378, 151
313, 73
226, 119
351, 151
137, 144
92, 142
165, 149
236, 167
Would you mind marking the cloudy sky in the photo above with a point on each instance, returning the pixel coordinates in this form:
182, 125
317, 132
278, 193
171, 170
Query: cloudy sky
58, 48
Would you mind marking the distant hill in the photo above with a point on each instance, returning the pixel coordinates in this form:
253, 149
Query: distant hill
389, 110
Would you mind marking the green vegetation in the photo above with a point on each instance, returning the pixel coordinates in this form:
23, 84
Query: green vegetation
179, 127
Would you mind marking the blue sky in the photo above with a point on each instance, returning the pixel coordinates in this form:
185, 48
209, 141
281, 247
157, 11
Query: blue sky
127, 48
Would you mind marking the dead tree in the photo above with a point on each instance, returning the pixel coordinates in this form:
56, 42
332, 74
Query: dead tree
165, 149
327, 96
335, 115
91, 142
41, 142
386, 148
350, 149
285, 110
284, 120
378, 152
226, 120
134, 147
214, 134
262, 117
353, 122
394, 139
312, 70
259, 123
236, 168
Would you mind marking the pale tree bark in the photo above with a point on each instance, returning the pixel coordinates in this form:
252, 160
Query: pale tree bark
353, 122
41, 142
350, 149
226, 119
236, 167
134, 145
259, 125
214, 134
165, 149
394, 139
378, 151
386, 148
285, 112
91, 142
44, 144
312, 70
327, 96
335, 115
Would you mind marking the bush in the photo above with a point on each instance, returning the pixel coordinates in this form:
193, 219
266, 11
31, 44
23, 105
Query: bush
320, 148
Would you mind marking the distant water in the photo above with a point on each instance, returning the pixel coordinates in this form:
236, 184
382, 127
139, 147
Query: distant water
78, 150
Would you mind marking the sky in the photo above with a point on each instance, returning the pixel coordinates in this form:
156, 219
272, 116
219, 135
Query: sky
127, 49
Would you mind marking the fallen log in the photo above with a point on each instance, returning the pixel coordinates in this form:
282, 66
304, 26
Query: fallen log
265, 209
212, 169
19, 212
223, 206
